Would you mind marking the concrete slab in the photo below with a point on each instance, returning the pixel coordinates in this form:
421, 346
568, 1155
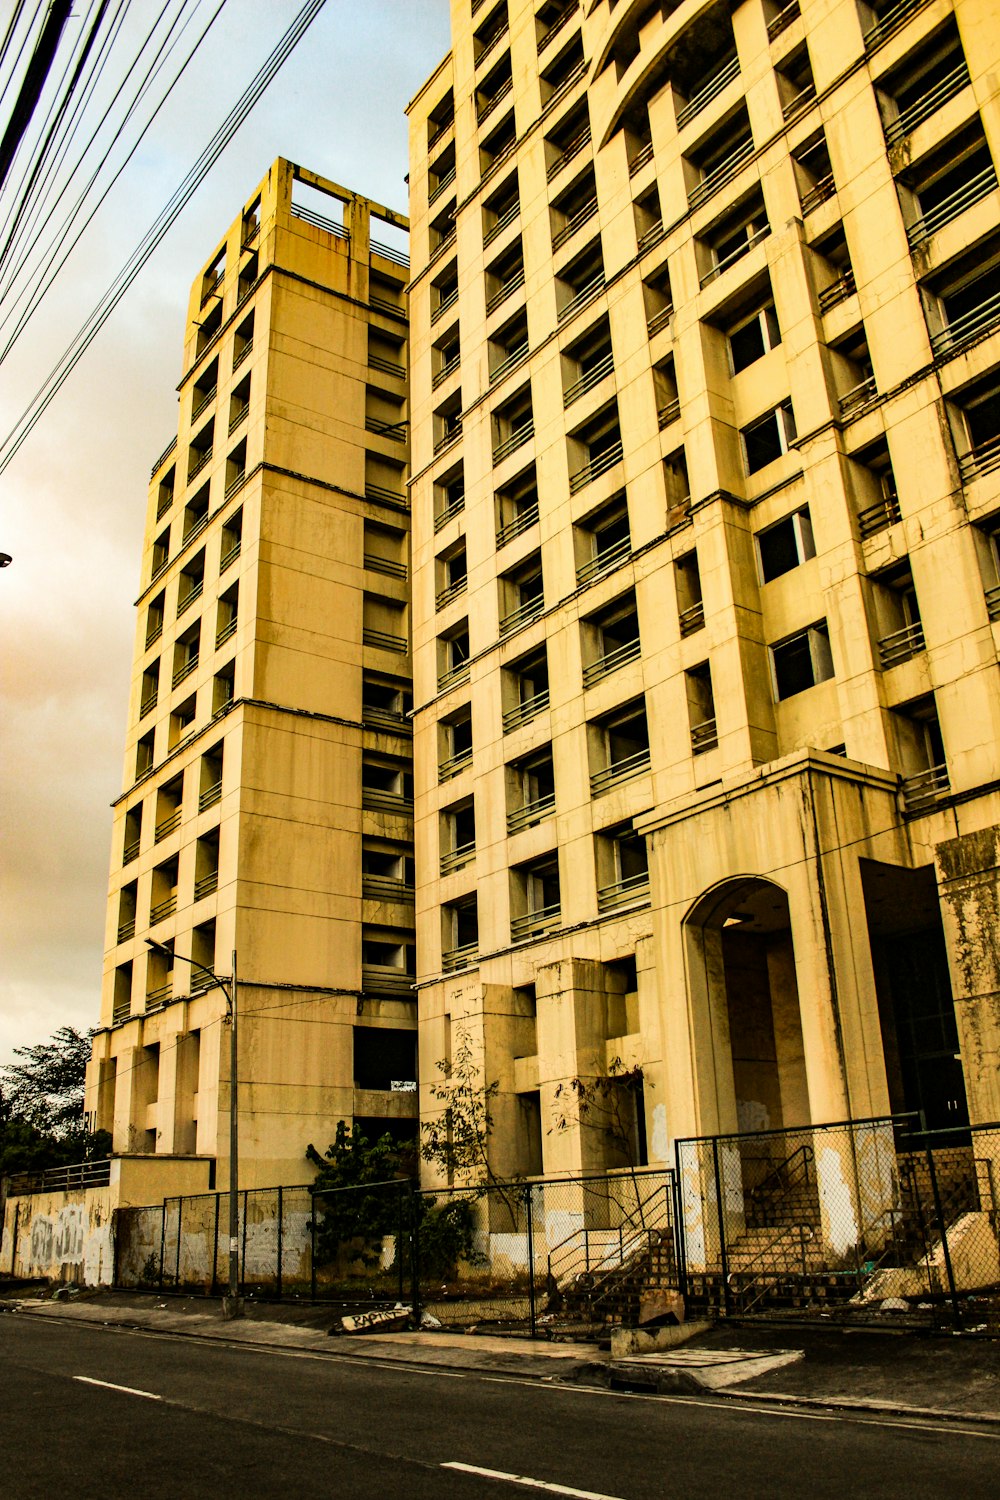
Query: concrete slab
699, 1369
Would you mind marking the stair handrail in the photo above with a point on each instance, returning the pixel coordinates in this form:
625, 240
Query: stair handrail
640, 1215
802, 1231
805, 1151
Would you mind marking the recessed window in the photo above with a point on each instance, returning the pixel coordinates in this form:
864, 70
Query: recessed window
756, 336
802, 661
768, 437
785, 545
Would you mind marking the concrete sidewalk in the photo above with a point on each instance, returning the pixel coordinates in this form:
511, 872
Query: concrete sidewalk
876, 1372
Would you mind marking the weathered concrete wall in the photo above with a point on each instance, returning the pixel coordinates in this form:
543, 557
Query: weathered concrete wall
67, 1236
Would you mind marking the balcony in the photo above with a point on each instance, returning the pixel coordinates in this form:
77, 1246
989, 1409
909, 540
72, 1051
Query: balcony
639, 160
579, 218
983, 459
824, 189
185, 670
387, 252
719, 80
385, 979
489, 42
119, 1016
704, 736
901, 645
159, 997
525, 711
733, 256
230, 556
692, 619
373, 717
596, 671
506, 219
206, 885
373, 799
130, 851
386, 366
556, 27
596, 467
452, 765
659, 321
650, 237
384, 640
922, 792
518, 526
668, 413
531, 813
853, 402
783, 20
573, 78
592, 377
386, 888
199, 463
888, 24
203, 405
876, 518
394, 431
978, 187
720, 175
148, 704
455, 590
514, 358
451, 435
210, 796
621, 771
163, 456
453, 676
441, 375
455, 508
484, 110
385, 565
968, 327
993, 602
587, 293
505, 290
194, 592
570, 150
445, 305
167, 826
928, 104
628, 892
439, 187
534, 923
523, 615
126, 931
517, 439
604, 562
462, 957
163, 909
457, 859
838, 291
798, 102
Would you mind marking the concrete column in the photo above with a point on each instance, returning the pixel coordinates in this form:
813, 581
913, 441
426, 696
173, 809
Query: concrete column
969, 883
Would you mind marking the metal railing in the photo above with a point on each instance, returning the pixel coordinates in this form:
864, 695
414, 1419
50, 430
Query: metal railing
163, 505
533, 923
202, 405
853, 402
389, 497
386, 565
521, 523
394, 430
447, 302
230, 556
639, 160
517, 439
385, 979
386, 888
631, 889
723, 173
525, 711
85, 1174
878, 517
458, 858
455, 590
453, 765
596, 467
194, 592
384, 640
668, 413
587, 381
562, 89
163, 456
783, 19
508, 217
238, 416
373, 799
900, 645
387, 366
444, 244
514, 358
167, 826
318, 221
928, 104
374, 717
130, 851
619, 771
195, 527
153, 633
240, 355
487, 43
824, 189
185, 670
692, 618
461, 957
449, 513
587, 293
383, 305
604, 561
523, 615
163, 909
719, 80
735, 255
485, 109
576, 221
968, 326
799, 101
659, 321
126, 930
704, 736
505, 290
440, 376
556, 27
446, 439
993, 602
838, 291
949, 208
206, 885
596, 671
443, 126
388, 253
195, 469
980, 460
650, 237
925, 789
235, 484
572, 148
891, 22
148, 703
531, 813
453, 676
210, 796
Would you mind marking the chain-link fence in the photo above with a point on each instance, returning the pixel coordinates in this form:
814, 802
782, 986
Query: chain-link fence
857, 1219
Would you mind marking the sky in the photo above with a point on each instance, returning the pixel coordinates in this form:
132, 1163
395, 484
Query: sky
72, 503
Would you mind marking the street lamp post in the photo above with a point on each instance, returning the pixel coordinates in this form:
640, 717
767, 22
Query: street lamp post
231, 1302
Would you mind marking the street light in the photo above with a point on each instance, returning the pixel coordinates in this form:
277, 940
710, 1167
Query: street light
5, 559
231, 1302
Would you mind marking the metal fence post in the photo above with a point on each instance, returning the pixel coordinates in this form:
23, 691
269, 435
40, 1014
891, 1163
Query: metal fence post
956, 1311
723, 1257
177, 1262
399, 1239
243, 1256
414, 1255
215, 1248
163, 1238
312, 1249
281, 1211
531, 1260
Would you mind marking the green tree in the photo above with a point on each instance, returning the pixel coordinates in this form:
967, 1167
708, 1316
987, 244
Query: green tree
356, 1180
457, 1141
41, 1106
608, 1103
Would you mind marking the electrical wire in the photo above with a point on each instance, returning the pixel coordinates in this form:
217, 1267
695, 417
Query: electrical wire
156, 232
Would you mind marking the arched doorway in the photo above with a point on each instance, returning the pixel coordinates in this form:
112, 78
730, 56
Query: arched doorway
746, 1009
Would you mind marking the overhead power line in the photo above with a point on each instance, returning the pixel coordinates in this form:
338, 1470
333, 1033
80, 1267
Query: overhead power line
34, 81
156, 232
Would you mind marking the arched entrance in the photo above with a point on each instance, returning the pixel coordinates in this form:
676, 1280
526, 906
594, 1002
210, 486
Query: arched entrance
745, 1004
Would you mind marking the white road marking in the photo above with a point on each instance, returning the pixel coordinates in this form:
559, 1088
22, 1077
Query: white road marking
109, 1385
533, 1484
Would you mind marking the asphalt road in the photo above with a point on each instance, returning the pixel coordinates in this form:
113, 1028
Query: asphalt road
239, 1423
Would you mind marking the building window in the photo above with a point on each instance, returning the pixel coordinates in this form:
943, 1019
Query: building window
531, 790
690, 604
701, 709
610, 639
459, 933
455, 743
785, 545
210, 777
768, 437
536, 905
181, 722
602, 541
521, 594
525, 688
801, 661
619, 747
457, 836
622, 868
453, 656
753, 337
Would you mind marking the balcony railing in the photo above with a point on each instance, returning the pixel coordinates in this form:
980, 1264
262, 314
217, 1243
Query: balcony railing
557, 26
373, 799
163, 456
442, 127
85, 1174
387, 252
576, 221
587, 381
626, 892
455, 590
457, 859
126, 930
921, 792
692, 618
489, 42
523, 615
230, 555
441, 184
522, 522
206, 885
650, 237
993, 602
489, 105
202, 405
506, 289
704, 736
387, 496
453, 676
384, 640
517, 439
396, 431
639, 160
824, 189
130, 851
163, 909
385, 565
451, 435
318, 221
719, 80
186, 669
194, 592
121, 1013
587, 293
983, 459
191, 531
449, 513
163, 505
199, 462
446, 303
668, 413
733, 256
386, 979
604, 561
928, 104
238, 416
386, 888
240, 355
878, 517
572, 148
386, 366
596, 671
531, 813
526, 710
532, 923
153, 632
384, 305
503, 222
619, 771
838, 291
723, 173
968, 326
395, 722
659, 321
891, 22
210, 796
853, 402
783, 19
462, 957
446, 243
799, 101
440, 376
949, 208
900, 645
452, 765
514, 358
148, 704
563, 88
236, 483
596, 467
167, 826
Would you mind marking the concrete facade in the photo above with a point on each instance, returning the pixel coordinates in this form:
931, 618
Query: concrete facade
705, 383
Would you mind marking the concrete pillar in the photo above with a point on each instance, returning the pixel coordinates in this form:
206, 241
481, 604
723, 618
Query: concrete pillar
968, 870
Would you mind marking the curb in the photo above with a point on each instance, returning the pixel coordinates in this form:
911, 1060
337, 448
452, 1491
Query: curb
872, 1405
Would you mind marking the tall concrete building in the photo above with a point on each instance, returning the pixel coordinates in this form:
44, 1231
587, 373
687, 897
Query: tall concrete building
267, 797
705, 391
